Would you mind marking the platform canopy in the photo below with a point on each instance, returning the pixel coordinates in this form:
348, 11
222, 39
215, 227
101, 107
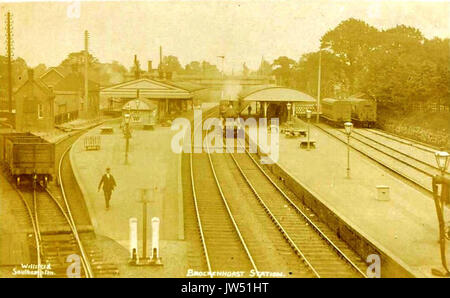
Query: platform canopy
139, 105
275, 94
150, 89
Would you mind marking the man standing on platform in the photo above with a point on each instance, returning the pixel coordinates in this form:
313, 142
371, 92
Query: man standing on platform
108, 183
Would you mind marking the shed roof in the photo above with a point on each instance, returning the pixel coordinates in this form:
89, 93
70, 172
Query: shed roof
147, 88
275, 94
74, 81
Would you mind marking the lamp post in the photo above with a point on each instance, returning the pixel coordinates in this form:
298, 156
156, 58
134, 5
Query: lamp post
308, 117
127, 135
348, 130
442, 160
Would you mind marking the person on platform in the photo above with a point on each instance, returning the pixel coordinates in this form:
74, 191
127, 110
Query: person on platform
108, 183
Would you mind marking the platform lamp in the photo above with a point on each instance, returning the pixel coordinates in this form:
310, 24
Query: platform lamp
127, 135
348, 130
308, 117
442, 160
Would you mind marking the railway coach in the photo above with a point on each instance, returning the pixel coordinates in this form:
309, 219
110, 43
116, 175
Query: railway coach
336, 111
27, 157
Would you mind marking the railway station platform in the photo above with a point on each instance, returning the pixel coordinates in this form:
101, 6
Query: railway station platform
405, 227
151, 163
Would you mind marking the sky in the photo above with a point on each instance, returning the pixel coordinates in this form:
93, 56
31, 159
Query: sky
242, 31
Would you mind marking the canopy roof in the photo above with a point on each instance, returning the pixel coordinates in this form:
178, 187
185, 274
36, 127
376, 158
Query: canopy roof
150, 89
275, 94
139, 105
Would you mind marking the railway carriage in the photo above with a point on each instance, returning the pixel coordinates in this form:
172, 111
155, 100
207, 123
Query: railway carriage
364, 111
336, 111
28, 157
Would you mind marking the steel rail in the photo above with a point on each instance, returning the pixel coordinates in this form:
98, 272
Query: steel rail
71, 225
202, 235
230, 214
36, 231
299, 211
392, 156
404, 176
276, 222
418, 144
400, 152
197, 212
86, 264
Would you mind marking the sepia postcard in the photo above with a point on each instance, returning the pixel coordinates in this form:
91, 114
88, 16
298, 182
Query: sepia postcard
205, 139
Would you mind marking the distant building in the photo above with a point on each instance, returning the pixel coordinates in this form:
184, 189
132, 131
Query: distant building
169, 97
52, 76
34, 106
141, 111
69, 100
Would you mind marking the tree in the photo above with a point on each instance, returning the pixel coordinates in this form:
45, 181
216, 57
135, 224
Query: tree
193, 68
19, 74
352, 41
104, 74
210, 70
333, 80
77, 58
282, 69
171, 64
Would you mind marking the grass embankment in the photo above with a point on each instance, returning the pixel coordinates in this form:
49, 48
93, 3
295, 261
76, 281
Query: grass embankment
430, 128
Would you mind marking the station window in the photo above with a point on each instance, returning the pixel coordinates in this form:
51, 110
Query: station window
40, 111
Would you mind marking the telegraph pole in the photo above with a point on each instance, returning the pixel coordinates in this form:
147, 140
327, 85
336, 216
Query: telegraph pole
86, 57
9, 54
318, 85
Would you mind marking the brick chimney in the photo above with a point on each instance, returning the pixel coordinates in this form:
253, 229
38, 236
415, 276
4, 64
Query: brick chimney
30, 74
150, 66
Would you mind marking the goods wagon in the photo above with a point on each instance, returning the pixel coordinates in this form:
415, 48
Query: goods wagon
336, 111
28, 157
364, 111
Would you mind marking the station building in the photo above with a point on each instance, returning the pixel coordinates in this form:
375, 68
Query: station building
34, 106
142, 112
275, 101
52, 76
69, 97
169, 97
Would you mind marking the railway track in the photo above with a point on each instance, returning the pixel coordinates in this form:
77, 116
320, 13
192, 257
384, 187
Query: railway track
425, 167
58, 242
223, 245
417, 152
232, 242
317, 250
416, 173
404, 140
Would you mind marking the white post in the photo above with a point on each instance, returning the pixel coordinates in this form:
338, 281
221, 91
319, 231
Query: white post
133, 238
155, 238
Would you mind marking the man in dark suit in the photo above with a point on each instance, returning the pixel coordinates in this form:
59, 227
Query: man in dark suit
108, 183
